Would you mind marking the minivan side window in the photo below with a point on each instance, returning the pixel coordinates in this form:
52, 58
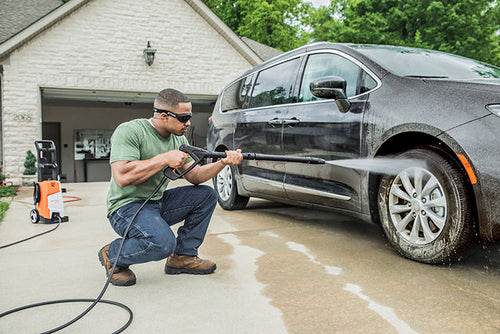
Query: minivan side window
274, 85
328, 64
234, 95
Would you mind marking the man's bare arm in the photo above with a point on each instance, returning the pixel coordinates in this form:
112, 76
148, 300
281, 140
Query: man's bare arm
128, 173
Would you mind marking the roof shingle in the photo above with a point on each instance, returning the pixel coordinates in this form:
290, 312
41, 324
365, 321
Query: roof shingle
16, 15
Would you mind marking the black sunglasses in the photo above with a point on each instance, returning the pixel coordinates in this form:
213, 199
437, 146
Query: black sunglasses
183, 118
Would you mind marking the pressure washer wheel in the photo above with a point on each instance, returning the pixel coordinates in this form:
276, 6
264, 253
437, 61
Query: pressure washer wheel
35, 217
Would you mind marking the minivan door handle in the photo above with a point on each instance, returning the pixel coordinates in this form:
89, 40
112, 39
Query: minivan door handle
275, 121
291, 121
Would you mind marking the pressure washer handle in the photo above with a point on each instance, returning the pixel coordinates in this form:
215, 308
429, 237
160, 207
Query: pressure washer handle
45, 145
198, 154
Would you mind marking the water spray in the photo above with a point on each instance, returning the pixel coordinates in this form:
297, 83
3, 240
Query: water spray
388, 166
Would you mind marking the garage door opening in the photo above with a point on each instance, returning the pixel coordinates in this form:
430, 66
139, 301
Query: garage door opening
80, 122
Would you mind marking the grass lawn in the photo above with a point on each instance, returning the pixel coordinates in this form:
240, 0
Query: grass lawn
5, 191
3, 209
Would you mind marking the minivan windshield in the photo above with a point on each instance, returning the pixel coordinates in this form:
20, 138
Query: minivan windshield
422, 63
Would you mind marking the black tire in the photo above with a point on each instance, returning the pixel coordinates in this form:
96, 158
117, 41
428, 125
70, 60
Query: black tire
225, 184
34, 216
432, 222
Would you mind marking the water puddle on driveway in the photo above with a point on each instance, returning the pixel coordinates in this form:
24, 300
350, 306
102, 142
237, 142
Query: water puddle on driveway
304, 250
385, 312
245, 259
250, 288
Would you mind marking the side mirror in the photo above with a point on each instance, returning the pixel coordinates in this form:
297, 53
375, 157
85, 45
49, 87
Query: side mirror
331, 87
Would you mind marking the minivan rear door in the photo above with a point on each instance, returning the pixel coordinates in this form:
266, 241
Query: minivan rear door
316, 127
259, 127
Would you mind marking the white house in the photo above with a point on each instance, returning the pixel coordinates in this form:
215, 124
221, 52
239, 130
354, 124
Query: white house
77, 70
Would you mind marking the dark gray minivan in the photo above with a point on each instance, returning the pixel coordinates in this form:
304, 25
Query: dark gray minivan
343, 102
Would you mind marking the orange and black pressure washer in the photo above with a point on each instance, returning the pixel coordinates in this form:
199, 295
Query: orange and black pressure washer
47, 194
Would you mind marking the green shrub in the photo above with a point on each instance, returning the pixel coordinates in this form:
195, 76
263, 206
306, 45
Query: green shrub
3, 209
7, 191
2, 177
29, 164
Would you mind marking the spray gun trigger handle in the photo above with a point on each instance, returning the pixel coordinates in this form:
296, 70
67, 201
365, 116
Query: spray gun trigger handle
172, 173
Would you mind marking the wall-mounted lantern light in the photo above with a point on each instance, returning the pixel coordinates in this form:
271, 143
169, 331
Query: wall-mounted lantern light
149, 54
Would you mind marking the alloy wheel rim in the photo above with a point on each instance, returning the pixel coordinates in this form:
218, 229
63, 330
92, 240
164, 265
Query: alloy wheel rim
417, 205
225, 183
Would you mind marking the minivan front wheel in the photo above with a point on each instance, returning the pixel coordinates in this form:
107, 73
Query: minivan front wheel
426, 212
225, 184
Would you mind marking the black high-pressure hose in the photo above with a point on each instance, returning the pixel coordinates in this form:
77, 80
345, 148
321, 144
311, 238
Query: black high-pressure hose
33, 236
99, 298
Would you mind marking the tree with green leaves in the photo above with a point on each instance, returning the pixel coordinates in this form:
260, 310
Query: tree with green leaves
465, 27
228, 11
276, 23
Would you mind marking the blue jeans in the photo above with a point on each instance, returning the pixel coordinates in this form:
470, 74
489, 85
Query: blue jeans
150, 237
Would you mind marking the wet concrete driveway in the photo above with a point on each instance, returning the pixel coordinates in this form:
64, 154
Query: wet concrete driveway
281, 269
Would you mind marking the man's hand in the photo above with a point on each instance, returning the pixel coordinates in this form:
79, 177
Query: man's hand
200, 174
176, 159
232, 158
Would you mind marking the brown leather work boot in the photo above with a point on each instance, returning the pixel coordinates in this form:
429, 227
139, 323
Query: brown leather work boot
121, 276
186, 264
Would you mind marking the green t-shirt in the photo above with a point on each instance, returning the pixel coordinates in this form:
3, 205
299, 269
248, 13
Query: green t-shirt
138, 140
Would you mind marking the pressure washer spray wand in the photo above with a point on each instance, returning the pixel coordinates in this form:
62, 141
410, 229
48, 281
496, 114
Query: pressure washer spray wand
198, 154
